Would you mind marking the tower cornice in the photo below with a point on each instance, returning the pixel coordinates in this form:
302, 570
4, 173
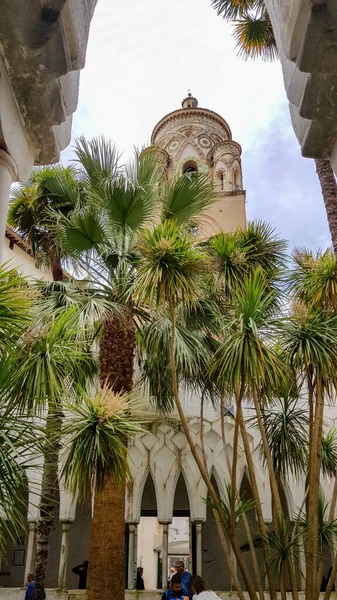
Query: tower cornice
183, 113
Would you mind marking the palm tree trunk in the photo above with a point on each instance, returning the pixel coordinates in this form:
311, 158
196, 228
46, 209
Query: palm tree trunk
314, 481
106, 574
49, 497
329, 192
221, 533
244, 518
255, 492
56, 267
278, 517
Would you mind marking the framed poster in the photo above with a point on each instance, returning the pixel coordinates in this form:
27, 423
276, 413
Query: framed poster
18, 558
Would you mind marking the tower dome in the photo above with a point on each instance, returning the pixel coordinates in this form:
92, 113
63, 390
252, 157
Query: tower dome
196, 139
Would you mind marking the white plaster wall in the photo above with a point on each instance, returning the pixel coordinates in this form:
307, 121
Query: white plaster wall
149, 537
23, 262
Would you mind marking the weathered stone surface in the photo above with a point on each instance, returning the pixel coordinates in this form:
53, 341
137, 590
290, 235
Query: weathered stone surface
43, 47
306, 35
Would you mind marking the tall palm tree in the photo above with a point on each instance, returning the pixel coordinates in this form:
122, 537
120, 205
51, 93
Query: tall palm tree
52, 361
254, 39
16, 435
102, 238
310, 344
34, 208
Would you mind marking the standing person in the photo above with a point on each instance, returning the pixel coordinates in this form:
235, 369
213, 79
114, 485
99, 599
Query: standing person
82, 572
31, 587
140, 581
197, 587
185, 575
176, 590
171, 573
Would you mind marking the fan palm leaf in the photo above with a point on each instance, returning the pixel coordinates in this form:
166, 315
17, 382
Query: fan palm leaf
255, 38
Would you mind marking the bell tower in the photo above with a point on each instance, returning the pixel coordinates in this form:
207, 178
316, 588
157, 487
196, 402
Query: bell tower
193, 139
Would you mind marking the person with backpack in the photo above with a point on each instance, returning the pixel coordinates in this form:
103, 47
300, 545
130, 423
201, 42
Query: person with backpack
176, 591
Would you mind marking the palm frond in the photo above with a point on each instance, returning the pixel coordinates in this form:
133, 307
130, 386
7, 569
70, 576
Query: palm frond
185, 199
329, 453
233, 9
254, 37
97, 431
169, 266
98, 158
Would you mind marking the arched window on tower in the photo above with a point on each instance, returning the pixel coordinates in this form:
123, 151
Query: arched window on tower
221, 180
190, 168
236, 181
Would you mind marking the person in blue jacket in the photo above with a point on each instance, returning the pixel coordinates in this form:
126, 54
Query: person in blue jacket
31, 587
185, 575
176, 590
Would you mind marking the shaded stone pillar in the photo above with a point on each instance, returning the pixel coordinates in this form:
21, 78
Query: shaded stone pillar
198, 547
30, 558
132, 556
8, 174
164, 553
64, 555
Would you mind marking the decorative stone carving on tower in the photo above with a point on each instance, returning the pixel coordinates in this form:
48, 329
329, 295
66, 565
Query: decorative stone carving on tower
199, 140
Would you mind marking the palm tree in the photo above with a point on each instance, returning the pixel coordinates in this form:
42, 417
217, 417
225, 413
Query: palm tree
34, 208
102, 238
16, 435
254, 39
310, 343
52, 361
168, 274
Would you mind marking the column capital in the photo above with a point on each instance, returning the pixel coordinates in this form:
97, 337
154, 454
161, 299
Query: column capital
7, 161
32, 525
198, 521
65, 525
165, 522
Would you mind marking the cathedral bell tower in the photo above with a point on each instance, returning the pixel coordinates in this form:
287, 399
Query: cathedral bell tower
193, 139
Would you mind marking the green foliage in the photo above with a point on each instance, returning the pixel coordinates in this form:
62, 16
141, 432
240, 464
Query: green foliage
239, 254
313, 280
185, 199
241, 506
329, 453
53, 362
327, 530
15, 306
169, 266
286, 424
36, 206
97, 431
98, 159
284, 548
252, 27
310, 344
192, 355
247, 353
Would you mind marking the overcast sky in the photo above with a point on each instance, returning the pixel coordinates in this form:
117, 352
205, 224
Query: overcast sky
143, 57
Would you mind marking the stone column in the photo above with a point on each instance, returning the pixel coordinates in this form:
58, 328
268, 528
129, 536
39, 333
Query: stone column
8, 174
132, 557
164, 554
198, 547
64, 554
30, 558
